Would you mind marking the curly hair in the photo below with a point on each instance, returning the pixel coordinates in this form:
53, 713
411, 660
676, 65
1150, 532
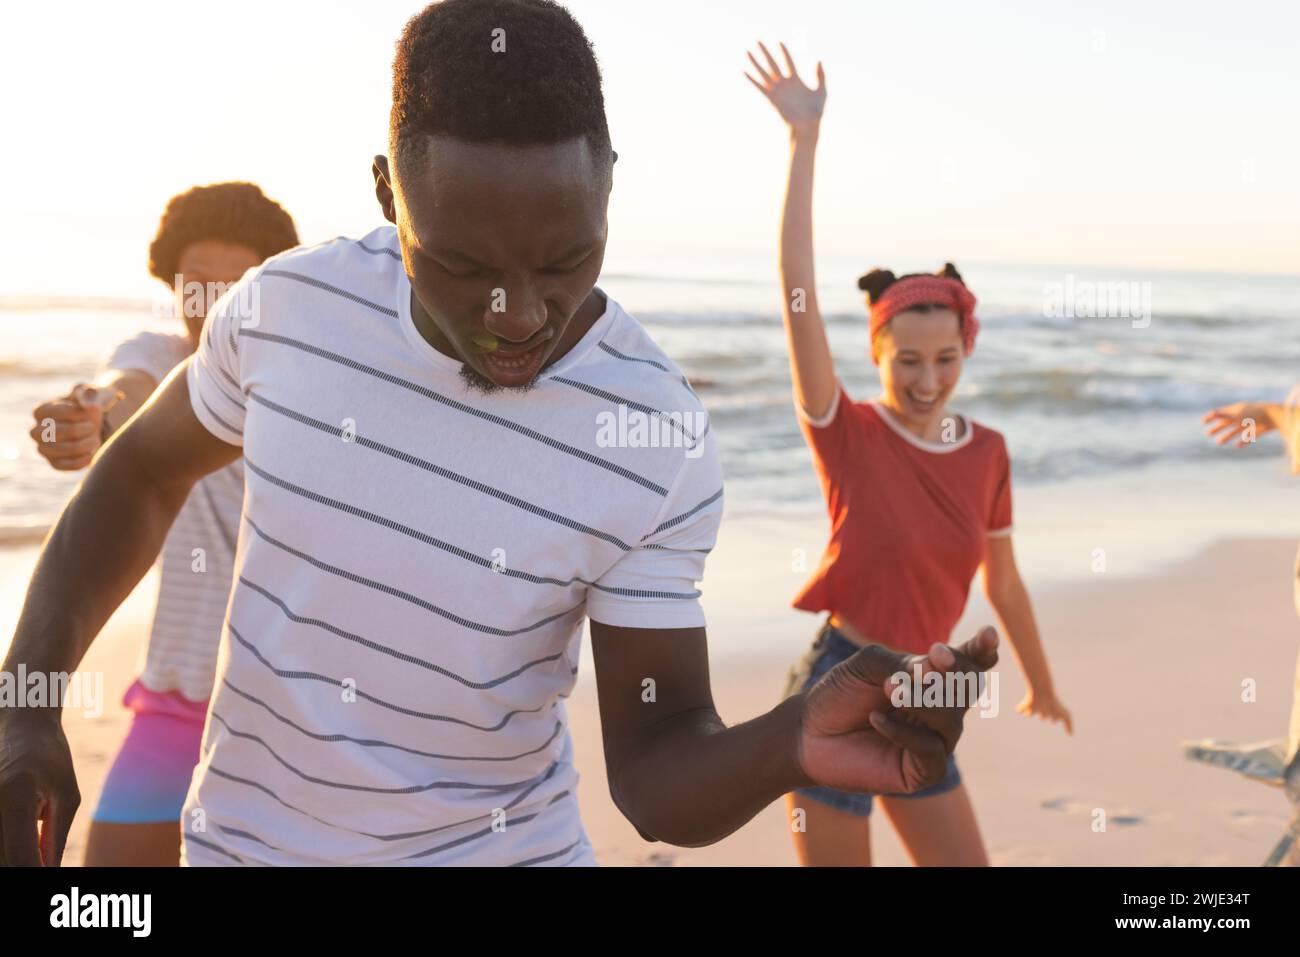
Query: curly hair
518, 72
237, 213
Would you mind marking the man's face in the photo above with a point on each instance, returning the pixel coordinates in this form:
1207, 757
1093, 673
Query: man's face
502, 244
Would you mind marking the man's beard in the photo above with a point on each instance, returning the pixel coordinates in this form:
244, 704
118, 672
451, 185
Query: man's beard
481, 384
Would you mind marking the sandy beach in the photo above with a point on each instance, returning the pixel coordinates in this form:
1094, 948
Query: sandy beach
1144, 662
462, 376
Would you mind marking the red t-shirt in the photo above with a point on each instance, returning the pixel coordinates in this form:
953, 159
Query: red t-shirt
909, 521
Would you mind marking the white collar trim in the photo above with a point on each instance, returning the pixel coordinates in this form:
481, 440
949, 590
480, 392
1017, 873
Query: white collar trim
939, 448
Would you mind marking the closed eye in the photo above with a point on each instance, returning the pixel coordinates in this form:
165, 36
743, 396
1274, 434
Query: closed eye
563, 269
476, 272
468, 268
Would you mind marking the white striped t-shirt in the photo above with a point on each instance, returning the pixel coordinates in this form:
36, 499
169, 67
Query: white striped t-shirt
198, 556
415, 564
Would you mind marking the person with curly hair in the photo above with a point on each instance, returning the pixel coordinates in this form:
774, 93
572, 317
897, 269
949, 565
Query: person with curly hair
919, 498
207, 238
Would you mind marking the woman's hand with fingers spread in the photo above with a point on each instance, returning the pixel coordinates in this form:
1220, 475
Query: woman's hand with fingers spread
799, 105
1243, 421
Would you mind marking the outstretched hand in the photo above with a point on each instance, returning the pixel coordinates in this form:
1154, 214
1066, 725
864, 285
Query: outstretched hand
799, 105
68, 430
1243, 421
852, 738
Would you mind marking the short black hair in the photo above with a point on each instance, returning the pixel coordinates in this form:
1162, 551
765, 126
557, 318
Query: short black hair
236, 213
536, 82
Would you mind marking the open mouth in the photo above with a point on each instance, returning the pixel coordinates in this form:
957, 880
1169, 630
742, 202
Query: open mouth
922, 405
509, 366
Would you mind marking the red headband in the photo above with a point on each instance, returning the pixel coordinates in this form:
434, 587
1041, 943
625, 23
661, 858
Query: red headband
918, 290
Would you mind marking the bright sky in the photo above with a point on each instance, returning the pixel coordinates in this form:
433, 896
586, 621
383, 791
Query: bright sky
1149, 135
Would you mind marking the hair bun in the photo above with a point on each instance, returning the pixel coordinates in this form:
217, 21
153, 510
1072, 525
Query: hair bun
949, 271
875, 283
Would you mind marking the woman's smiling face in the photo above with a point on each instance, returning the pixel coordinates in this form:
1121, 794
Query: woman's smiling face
502, 244
921, 358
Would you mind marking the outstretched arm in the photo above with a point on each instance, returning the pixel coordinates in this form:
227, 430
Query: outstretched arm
122, 511
1247, 421
811, 366
70, 429
103, 543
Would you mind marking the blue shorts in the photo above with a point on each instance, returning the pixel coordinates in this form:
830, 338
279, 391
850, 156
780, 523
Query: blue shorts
829, 648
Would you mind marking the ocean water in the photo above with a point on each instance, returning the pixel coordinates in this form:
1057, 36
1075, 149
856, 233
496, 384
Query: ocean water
1100, 409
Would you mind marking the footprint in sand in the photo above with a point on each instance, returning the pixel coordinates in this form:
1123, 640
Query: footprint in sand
1067, 805
1127, 820
1254, 816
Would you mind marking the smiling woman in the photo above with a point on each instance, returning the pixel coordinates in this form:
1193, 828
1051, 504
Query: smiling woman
922, 327
919, 500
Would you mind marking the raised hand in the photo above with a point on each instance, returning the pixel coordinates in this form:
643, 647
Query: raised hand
853, 739
799, 105
1230, 422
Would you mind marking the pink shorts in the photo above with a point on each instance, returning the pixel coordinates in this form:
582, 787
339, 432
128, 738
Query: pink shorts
151, 774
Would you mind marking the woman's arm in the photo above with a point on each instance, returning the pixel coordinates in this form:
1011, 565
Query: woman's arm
1007, 594
811, 366
69, 430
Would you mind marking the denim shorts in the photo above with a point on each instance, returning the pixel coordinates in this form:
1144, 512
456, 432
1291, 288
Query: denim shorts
829, 648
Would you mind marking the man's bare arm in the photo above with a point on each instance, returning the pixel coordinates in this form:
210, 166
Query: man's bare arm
675, 769
682, 776
103, 543
112, 529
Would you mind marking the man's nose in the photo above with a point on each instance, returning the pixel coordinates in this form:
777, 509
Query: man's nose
515, 313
